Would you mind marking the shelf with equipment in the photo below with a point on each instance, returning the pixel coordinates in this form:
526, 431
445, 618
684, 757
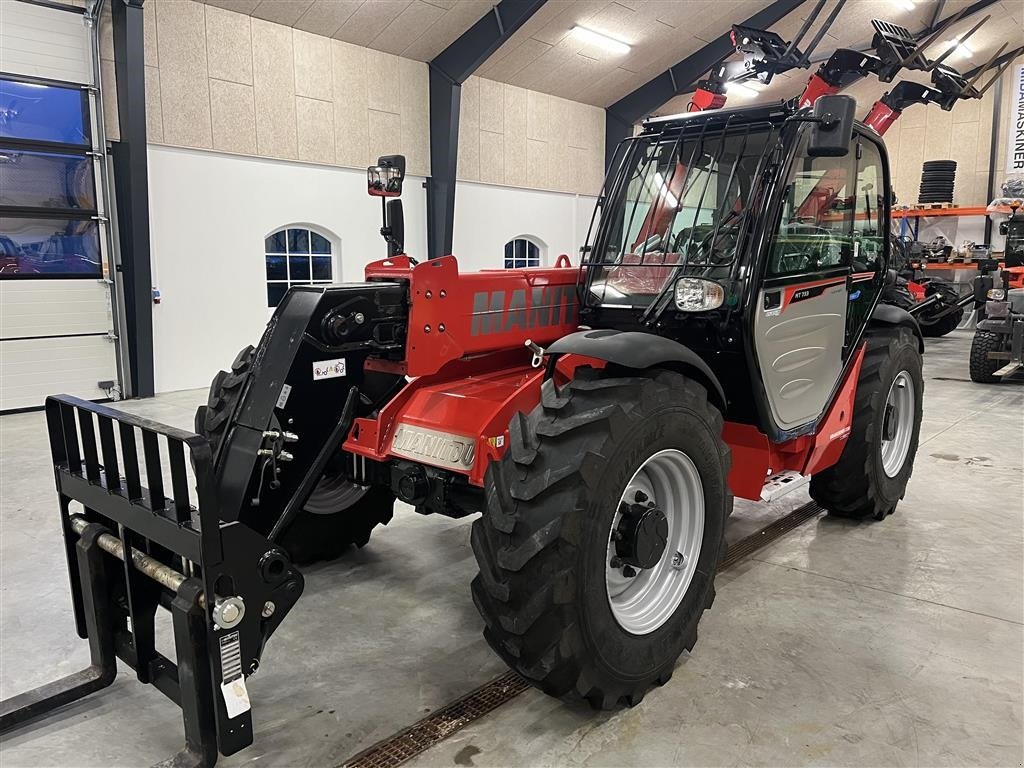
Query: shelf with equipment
915, 214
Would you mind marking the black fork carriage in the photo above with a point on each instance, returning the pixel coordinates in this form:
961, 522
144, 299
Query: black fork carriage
131, 550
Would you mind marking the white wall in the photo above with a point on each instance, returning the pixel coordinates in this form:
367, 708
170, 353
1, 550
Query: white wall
210, 212
487, 217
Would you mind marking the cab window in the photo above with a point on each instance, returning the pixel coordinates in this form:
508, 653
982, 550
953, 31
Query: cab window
869, 231
815, 232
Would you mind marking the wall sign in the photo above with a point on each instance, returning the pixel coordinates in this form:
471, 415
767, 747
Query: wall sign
1015, 144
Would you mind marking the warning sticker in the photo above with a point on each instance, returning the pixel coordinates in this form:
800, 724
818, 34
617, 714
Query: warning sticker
328, 369
236, 696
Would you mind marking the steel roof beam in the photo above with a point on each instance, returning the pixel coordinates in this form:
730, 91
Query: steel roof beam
448, 71
680, 78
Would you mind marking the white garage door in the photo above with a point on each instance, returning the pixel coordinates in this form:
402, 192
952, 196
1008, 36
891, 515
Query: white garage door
56, 321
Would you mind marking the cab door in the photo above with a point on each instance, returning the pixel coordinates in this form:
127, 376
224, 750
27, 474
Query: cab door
801, 313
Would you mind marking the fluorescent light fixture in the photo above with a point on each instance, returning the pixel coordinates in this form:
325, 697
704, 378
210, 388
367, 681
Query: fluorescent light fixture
961, 50
600, 39
662, 187
739, 89
906, 5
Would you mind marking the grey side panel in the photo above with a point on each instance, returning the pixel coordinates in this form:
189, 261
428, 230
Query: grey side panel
800, 353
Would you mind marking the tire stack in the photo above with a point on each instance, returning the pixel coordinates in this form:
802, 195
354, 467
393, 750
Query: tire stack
937, 179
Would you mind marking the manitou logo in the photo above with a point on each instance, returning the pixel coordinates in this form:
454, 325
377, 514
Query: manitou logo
433, 447
526, 309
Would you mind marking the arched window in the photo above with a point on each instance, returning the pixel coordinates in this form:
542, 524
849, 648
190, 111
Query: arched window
296, 256
522, 252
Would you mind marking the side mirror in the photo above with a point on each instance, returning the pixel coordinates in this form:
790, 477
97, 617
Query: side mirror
385, 178
832, 129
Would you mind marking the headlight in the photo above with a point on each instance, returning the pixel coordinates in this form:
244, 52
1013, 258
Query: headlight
996, 294
694, 294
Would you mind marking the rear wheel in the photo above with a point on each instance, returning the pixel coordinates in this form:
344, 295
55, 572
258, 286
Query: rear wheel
872, 474
982, 366
602, 532
337, 514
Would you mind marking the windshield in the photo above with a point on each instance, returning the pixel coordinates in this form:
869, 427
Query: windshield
676, 207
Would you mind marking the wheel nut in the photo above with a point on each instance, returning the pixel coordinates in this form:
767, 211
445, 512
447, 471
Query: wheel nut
678, 560
268, 609
615, 563
629, 572
640, 497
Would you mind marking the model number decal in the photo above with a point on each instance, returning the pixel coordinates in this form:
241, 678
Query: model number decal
328, 369
433, 447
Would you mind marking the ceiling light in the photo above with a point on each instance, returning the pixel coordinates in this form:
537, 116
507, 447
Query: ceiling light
961, 50
906, 5
739, 89
599, 39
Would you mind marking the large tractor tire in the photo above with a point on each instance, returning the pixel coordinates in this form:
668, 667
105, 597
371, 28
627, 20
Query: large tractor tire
982, 367
942, 326
337, 514
602, 532
872, 474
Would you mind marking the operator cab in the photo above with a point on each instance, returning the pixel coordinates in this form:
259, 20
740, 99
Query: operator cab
732, 232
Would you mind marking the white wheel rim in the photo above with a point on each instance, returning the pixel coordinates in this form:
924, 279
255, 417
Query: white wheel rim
898, 420
645, 601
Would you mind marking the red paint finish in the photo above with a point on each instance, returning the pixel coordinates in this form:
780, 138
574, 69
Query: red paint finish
457, 314
816, 88
477, 401
881, 117
830, 438
703, 100
916, 289
754, 458
791, 290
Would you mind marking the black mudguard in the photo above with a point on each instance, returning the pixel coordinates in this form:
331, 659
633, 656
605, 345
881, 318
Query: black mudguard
890, 315
313, 327
639, 350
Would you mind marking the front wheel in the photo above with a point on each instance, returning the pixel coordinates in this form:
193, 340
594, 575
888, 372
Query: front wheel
602, 533
872, 473
982, 366
338, 513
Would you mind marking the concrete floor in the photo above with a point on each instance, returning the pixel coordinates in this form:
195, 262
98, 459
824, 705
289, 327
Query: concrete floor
874, 644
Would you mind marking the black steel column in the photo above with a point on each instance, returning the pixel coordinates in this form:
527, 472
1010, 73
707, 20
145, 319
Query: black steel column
131, 184
448, 71
445, 100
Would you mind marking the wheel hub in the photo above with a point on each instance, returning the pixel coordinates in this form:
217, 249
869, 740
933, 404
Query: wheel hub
890, 421
642, 533
654, 541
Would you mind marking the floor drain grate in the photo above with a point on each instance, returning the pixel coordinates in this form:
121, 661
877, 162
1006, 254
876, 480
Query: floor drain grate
439, 725
771, 532
442, 723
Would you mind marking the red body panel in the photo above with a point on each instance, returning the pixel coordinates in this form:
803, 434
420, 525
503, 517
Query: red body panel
475, 399
704, 99
881, 118
754, 457
456, 315
815, 89
916, 289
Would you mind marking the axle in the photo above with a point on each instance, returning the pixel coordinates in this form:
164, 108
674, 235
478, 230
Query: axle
160, 573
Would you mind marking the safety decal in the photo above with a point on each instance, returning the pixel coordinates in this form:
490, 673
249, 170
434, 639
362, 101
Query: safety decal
328, 369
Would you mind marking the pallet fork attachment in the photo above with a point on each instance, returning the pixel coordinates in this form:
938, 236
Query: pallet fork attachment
131, 550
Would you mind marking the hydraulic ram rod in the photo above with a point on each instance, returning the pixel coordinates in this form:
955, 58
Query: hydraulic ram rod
160, 573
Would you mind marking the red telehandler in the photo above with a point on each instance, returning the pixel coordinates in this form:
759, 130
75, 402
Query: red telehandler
722, 336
